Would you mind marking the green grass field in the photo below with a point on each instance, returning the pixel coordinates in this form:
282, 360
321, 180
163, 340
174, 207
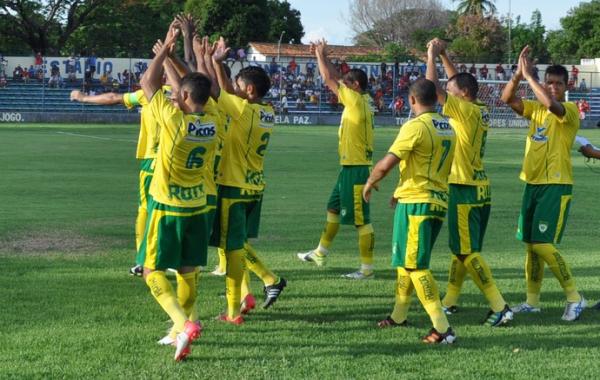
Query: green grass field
69, 309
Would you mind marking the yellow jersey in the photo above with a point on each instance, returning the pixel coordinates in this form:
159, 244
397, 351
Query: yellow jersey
425, 146
211, 108
246, 142
187, 142
549, 140
470, 122
356, 128
149, 129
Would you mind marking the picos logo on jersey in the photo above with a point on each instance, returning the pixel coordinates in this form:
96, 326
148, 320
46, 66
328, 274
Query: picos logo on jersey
267, 119
200, 132
485, 117
443, 126
540, 134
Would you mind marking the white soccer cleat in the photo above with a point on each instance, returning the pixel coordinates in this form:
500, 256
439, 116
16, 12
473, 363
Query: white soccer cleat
167, 340
218, 272
359, 275
573, 310
525, 308
312, 257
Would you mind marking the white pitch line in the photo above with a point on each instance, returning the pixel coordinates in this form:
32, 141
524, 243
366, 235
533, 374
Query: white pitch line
95, 137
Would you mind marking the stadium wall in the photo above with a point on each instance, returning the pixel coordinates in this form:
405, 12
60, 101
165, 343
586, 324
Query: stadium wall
307, 119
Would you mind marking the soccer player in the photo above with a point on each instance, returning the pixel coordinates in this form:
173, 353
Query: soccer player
548, 176
178, 222
146, 150
469, 188
355, 149
423, 151
241, 180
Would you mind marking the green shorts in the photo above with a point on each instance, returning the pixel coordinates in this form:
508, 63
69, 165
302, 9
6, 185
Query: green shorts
416, 226
468, 216
237, 218
544, 212
175, 237
346, 197
146, 173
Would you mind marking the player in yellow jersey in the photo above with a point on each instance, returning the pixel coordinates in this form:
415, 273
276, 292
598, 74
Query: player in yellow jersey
345, 204
548, 175
423, 152
469, 188
178, 227
145, 152
240, 177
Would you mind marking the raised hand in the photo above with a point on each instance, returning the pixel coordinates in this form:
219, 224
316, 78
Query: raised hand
524, 66
221, 50
198, 46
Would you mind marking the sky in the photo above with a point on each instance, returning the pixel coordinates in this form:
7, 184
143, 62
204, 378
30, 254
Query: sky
328, 18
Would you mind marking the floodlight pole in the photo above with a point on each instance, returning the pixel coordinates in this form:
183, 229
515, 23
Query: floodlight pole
280, 71
509, 33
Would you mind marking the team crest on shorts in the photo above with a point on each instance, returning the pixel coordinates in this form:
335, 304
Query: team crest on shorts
343, 212
543, 227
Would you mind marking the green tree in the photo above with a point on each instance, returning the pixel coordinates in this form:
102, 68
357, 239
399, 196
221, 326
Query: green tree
476, 7
478, 39
580, 37
250, 20
532, 34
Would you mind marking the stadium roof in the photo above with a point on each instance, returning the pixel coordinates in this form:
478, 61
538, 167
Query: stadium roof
303, 51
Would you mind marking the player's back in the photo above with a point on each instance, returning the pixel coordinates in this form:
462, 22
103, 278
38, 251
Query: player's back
425, 146
470, 121
246, 142
356, 128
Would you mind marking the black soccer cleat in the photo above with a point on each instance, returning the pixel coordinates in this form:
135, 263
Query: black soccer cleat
272, 292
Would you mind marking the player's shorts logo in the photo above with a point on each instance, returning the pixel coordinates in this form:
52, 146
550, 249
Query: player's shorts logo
343, 212
543, 227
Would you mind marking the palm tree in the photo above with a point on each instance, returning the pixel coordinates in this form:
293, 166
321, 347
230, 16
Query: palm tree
475, 7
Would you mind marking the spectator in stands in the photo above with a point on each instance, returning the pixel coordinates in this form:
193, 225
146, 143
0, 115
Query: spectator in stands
284, 104
87, 81
310, 68
398, 105
583, 107
71, 65
409, 67
31, 72
26, 76
314, 99
273, 67
300, 104
3, 64
140, 67
39, 74
3, 81
413, 77
513, 69
473, 70
241, 56
18, 73
292, 66
90, 63
55, 78
574, 74
483, 72
499, 72
582, 85
535, 71
462, 68
38, 61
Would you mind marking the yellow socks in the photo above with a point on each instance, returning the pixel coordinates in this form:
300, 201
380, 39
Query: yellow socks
482, 276
331, 229
222, 260
186, 293
404, 289
428, 293
534, 274
456, 277
236, 265
258, 267
140, 226
366, 244
559, 267
245, 283
162, 291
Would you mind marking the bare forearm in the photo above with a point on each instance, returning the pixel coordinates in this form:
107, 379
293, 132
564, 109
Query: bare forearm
188, 53
107, 99
210, 70
328, 72
432, 75
173, 77
151, 81
448, 65
510, 90
180, 66
222, 79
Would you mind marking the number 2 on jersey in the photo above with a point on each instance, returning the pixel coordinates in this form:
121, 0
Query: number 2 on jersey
261, 148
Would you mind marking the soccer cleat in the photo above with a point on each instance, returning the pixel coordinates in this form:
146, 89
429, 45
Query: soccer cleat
247, 304
359, 275
499, 318
167, 340
450, 309
183, 342
313, 257
272, 292
525, 308
234, 321
137, 270
218, 272
389, 322
573, 310
434, 337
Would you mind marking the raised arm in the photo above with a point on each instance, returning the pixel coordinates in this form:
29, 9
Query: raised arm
509, 94
208, 50
434, 49
379, 172
186, 23
330, 75
151, 81
220, 54
107, 99
539, 91
173, 76
448, 65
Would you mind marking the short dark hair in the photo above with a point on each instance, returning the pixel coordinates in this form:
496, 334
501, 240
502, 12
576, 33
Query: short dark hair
424, 91
466, 81
358, 75
198, 85
257, 77
557, 70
